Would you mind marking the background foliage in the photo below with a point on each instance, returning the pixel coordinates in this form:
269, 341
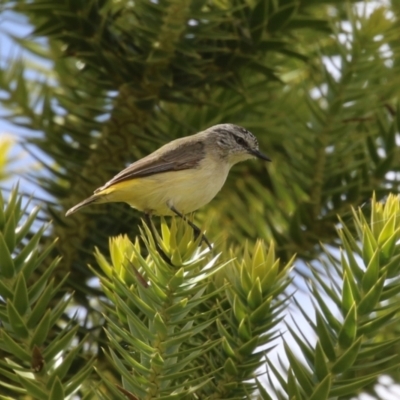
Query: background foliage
317, 83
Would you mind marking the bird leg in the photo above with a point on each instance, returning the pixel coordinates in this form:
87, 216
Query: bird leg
149, 223
197, 231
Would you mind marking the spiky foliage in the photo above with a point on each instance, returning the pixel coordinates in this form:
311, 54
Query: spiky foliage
39, 357
351, 312
200, 328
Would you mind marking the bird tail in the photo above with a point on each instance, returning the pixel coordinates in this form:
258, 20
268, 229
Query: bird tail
84, 203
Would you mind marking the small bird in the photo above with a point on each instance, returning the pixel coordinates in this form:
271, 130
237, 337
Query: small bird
181, 176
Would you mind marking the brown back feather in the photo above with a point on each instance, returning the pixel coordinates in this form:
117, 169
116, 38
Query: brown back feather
185, 156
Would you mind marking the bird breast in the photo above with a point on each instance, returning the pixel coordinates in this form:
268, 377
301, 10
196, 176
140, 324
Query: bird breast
186, 190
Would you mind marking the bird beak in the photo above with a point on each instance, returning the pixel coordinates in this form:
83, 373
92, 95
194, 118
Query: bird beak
260, 155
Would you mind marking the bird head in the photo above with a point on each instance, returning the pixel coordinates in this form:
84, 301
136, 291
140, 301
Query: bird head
235, 143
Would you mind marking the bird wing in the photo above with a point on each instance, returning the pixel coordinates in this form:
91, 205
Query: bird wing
184, 156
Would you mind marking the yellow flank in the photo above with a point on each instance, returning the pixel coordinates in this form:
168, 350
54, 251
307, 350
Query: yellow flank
186, 190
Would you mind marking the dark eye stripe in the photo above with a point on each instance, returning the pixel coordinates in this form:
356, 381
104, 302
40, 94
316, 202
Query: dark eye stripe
240, 141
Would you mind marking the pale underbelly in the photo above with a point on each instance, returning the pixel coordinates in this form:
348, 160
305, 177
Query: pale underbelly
185, 190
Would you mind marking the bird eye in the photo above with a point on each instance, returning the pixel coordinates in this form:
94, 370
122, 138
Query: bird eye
240, 141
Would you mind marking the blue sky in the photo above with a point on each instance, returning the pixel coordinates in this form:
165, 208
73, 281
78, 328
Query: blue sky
12, 24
